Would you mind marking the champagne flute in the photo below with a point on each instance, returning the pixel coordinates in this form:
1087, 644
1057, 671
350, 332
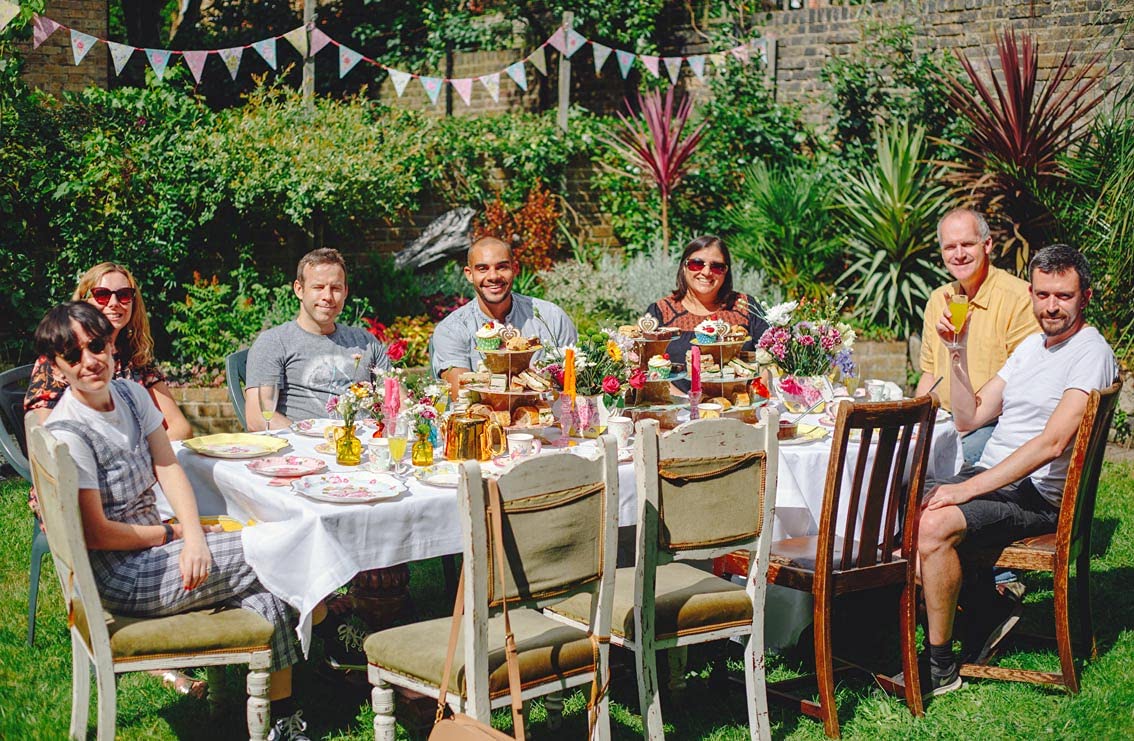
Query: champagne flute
398, 437
269, 397
958, 310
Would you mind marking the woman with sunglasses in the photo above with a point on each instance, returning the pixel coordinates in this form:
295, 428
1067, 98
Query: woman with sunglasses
111, 289
704, 289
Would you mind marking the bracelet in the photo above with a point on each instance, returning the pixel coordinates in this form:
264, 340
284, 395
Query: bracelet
168, 532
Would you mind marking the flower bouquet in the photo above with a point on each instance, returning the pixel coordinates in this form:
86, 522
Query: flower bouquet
808, 343
358, 398
597, 367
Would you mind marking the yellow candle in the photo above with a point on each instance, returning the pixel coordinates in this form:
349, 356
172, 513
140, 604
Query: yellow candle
569, 372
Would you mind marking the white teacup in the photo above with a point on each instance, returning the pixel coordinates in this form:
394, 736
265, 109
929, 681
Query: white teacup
622, 428
833, 405
379, 449
876, 390
709, 410
522, 444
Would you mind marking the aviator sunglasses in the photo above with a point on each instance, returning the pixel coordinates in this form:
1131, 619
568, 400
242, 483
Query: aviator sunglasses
696, 264
102, 295
75, 354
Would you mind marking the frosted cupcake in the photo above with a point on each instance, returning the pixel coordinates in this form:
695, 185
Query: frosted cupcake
488, 336
708, 332
659, 366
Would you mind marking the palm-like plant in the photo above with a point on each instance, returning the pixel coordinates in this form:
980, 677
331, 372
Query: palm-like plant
1019, 128
651, 140
889, 214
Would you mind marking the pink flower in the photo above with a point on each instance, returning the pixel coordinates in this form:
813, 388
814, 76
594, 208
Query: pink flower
332, 404
611, 385
806, 340
791, 386
637, 378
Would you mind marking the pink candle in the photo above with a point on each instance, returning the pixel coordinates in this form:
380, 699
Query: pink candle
393, 396
695, 370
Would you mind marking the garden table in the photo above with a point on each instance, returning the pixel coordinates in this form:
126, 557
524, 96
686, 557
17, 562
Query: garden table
303, 550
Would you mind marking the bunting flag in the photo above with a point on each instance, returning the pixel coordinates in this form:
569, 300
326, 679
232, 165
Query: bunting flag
557, 41
602, 53
195, 61
697, 64
673, 67
650, 62
231, 58
463, 86
267, 49
318, 41
120, 54
159, 60
720, 61
8, 11
432, 87
298, 39
575, 41
741, 53
538, 58
518, 75
492, 85
399, 79
41, 29
347, 59
625, 61
81, 44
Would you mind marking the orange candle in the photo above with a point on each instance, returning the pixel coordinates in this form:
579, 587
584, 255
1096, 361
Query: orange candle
569, 372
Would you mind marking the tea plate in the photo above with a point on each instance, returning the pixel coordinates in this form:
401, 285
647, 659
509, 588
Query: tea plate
349, 488
444, 474
286, 466
235, 445
807, 434
313, 427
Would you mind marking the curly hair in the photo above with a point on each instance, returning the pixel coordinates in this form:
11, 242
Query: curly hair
135, 341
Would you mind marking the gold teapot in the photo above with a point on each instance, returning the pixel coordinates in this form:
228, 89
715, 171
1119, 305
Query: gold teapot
470, 438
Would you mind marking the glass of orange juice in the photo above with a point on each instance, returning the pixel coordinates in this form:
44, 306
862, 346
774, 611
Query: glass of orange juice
958, 311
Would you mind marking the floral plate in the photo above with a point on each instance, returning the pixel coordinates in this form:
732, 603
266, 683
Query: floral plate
235, 445
286, 466
349, 488
443, 474
313, 427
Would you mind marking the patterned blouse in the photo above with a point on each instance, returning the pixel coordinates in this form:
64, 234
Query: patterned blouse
45, 388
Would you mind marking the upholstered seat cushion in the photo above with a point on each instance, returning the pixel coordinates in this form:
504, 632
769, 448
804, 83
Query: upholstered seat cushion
547, 650
191, 632
687, 601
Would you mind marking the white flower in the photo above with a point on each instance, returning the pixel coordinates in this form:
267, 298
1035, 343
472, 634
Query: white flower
780, 314
763, 357
847, 334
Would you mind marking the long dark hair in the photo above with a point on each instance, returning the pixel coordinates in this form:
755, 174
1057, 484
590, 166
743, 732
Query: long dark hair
725, 296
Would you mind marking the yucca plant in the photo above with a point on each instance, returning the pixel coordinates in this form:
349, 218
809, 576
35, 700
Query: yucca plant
1019, 127
651, 140
889, 214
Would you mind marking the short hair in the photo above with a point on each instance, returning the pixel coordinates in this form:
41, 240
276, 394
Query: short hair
135, 342
54, 335
489, 238
981, 222
321, 256
725, 295
1058, 259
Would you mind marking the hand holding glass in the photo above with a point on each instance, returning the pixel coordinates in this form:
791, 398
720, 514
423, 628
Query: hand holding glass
958, 311
269, 396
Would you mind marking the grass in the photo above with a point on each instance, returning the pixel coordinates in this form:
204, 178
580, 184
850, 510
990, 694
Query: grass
35, 683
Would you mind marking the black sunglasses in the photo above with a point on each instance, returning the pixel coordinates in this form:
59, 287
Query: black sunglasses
102, 295
75, 354
696, 264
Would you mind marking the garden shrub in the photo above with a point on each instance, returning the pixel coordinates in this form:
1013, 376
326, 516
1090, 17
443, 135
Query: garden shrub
532, 230
415, 331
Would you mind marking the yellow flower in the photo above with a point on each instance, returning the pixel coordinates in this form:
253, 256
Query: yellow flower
358, 390
614, 351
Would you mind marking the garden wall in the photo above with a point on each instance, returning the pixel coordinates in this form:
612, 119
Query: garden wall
52, 67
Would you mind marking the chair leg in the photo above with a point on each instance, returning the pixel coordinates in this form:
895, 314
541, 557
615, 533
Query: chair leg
107, 684
553, 704
824, 668
216, 689
1083, 592
382, 699
80, 689
602, 727
259, 710
1063, 628
755, 684
908, 627
38, 551
646, 664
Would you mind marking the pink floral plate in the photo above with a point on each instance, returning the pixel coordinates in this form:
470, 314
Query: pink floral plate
349, 488
235, 445
286, 466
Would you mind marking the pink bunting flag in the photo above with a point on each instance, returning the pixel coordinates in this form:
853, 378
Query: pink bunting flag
463, 86
231, 58
159, 60
318, 41
267, 49
557, 41
120, 54
672, 68
491, 84
741, 53
195, 61
41, 29
399, 79
625, 61
538, 58
347, 59
81, 44
8, 11
297, 37
432, 87
575, 41
650, 62
697, 64
601, 53
518, 74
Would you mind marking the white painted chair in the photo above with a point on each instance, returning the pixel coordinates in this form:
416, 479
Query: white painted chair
560, 522
705, 489
114, 644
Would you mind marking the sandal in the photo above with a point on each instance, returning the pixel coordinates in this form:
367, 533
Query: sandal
183, 683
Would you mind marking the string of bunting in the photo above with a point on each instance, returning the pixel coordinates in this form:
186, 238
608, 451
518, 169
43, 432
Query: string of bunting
566, 41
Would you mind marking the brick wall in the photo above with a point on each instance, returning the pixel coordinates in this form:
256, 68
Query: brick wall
208, 409
51, 67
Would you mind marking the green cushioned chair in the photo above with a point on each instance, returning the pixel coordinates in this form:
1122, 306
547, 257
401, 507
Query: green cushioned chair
560, 522
116, 644
704, 489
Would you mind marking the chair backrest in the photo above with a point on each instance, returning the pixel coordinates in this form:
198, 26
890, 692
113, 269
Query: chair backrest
1077, 508
235, 371
13, 443
867, 494
705, 488
57, 486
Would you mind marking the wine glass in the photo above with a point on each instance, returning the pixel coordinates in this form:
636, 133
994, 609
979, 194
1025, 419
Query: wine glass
958, 310
269, 397
397, 433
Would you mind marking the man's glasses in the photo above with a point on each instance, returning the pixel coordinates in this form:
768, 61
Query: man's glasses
696, 264
75, 354
102, 295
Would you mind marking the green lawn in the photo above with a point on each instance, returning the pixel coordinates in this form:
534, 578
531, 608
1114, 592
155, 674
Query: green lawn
35, 683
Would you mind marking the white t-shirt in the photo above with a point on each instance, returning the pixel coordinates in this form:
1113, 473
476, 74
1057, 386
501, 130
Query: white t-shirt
117, 426
1035, 378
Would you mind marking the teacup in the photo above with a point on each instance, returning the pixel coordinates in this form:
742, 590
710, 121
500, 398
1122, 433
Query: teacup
522, 444
622, 428
833, 405
709, 410
876, 390
379, 448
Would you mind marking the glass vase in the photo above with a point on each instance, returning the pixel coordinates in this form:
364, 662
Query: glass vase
798, 393
422, 453
348, 448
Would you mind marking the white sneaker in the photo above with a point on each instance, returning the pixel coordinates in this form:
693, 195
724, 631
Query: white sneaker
290, 728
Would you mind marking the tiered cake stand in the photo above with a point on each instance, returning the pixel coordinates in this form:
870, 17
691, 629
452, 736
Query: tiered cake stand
510, 363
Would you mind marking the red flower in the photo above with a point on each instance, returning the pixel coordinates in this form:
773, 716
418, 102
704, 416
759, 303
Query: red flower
397, 350
637, 378
376, 328
759, 388
611, 385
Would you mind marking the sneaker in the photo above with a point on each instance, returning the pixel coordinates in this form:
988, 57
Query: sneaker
342, 642
986, 624
932, 685
290, 728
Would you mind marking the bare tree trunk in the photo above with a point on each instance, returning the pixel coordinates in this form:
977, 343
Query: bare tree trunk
665, 221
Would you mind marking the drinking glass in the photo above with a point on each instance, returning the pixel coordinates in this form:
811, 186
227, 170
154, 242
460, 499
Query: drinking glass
958, 310
269, 397
398, 436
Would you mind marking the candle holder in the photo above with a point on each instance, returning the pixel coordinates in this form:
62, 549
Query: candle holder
564, 412
694, 405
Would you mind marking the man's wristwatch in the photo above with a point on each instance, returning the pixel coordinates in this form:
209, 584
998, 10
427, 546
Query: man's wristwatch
168, 532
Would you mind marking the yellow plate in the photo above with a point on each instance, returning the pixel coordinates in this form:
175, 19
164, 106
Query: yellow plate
228, 524
806, 433
236, 445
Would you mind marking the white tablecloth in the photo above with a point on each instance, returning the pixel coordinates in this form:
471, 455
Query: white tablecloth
303, 550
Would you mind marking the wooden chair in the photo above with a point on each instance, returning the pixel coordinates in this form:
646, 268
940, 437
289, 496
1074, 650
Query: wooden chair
235, 371
560, 523
114, 644
705, 488
1070, 543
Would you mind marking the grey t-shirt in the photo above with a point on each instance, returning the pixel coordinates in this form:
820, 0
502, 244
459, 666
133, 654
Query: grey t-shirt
310, 368
453, 344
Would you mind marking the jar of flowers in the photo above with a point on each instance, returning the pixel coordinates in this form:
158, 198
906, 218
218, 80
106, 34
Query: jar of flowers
592, 377
359, 398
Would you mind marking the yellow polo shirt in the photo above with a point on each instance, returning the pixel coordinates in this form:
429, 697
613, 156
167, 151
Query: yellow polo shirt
1000, 317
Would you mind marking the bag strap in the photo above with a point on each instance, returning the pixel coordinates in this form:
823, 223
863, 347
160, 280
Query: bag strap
496, 509
454, 631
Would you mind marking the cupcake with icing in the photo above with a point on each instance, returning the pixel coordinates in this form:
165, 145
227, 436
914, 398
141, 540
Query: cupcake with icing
488, 336
659, 366
708, 332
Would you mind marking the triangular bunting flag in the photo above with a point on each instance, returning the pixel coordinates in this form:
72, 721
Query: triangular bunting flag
399, 79
557, 41
267, 49
298, 39
625, 61
491, 84
463, 86
650, 62
318, 41
120, 54
741, 53
231, 58
720, 61
601, 53
195, 61
8, 11
518, 75
575, 41
347, 59
538, 58
159, 60
673, 67
432, 87
81, 43
697, 64
41, 29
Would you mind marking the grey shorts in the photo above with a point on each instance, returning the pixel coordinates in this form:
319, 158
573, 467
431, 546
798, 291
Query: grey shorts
1005, 515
